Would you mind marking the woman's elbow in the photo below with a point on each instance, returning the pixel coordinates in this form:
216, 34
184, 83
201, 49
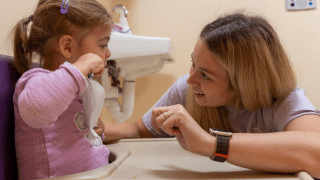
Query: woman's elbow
312, 164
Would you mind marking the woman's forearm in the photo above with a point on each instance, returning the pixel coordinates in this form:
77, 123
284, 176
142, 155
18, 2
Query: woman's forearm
123, 130
284, 152
126, 130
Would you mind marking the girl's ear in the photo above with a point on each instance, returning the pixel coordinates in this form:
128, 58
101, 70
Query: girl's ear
67, 46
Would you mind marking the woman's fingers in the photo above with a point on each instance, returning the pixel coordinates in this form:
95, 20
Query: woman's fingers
158, 121
171, 124
170, 119
155, 123
165, 119
157, 114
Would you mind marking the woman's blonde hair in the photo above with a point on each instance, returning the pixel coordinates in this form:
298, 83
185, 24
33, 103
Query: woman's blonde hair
49, 24
257, 66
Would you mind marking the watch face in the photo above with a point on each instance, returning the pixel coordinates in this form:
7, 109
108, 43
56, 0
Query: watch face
221, 133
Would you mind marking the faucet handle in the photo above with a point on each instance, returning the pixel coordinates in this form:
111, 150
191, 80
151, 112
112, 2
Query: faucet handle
124, 9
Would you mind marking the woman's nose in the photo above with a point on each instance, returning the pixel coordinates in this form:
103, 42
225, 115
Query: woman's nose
192, 77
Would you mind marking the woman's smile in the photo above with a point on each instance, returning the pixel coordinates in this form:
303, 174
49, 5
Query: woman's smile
197, 93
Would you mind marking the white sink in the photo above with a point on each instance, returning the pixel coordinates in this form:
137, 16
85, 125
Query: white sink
138, 56
132, 57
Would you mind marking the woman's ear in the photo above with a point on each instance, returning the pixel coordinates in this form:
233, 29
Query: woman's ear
67, 46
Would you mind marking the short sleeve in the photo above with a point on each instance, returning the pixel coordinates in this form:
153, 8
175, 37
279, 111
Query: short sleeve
294, 106
176, 94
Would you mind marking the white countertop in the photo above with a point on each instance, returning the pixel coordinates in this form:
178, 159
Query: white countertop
165, 159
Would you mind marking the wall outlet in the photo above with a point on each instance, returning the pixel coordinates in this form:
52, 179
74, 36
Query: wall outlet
300, 4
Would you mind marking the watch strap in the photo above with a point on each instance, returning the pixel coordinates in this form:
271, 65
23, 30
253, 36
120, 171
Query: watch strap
221, 153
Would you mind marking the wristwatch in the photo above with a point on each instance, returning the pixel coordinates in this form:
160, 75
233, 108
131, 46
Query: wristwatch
222, 149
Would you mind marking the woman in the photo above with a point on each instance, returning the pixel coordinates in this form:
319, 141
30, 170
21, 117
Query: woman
241, 81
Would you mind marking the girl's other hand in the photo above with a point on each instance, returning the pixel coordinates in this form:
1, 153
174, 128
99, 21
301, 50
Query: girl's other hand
99, 129
90, 63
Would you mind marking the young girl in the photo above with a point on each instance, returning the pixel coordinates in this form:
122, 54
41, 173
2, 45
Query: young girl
71, 40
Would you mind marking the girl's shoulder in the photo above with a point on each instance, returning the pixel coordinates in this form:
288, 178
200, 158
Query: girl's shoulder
38, 72
66, 75
25, 77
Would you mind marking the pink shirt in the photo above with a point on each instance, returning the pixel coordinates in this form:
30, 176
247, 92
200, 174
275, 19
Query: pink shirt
50, 125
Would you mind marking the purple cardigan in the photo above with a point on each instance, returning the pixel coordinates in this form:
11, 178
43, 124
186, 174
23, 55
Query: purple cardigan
50, 125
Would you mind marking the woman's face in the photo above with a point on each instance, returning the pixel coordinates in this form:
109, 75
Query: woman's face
208, 79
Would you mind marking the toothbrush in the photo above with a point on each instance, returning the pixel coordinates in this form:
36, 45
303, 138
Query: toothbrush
90, 75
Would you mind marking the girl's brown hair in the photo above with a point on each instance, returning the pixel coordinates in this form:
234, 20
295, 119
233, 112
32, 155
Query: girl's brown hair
49, 24
258, 68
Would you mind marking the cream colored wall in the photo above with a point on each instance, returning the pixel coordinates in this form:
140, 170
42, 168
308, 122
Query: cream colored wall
11, 11
182, 21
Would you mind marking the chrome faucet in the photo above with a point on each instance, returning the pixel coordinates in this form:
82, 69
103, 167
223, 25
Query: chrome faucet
121, 6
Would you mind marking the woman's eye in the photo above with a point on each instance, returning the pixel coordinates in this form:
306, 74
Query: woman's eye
201, 73
204, 75
192, 63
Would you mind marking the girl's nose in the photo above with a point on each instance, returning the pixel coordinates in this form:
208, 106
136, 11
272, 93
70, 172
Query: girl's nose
108, 53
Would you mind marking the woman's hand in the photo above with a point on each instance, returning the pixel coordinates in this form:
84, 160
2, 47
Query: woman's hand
99, 129
90, 63
176, 121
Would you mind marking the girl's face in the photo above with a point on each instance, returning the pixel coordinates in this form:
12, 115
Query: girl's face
95, 42
208, 79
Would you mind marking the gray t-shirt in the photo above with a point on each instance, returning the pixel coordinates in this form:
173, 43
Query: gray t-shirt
272, 119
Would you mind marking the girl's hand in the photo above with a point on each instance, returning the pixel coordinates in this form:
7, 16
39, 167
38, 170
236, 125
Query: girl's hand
90, 63
178, 122
99, 129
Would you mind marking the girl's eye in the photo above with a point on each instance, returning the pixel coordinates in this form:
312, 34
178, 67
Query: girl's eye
104, 46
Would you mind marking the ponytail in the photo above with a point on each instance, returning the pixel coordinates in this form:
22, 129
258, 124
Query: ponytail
22, 52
